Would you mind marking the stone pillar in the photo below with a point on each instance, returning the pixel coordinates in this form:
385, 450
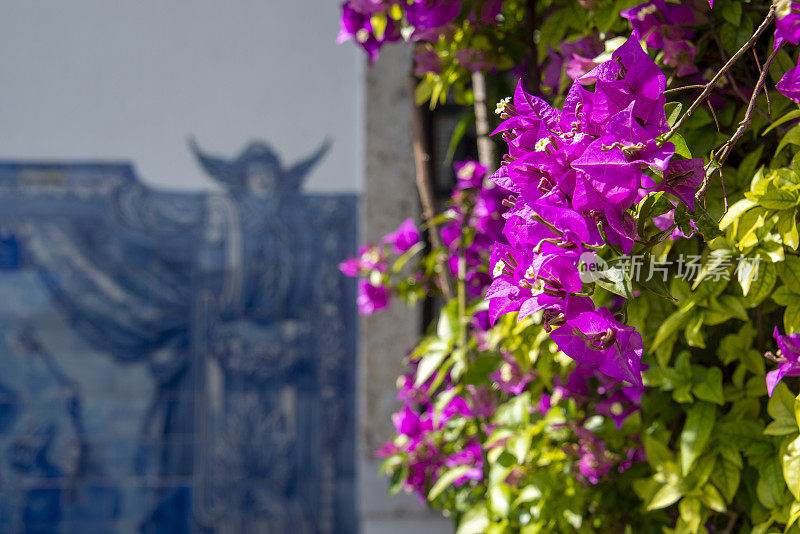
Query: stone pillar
389, 197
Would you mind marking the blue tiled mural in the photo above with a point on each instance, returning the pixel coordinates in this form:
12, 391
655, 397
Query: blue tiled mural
175, 363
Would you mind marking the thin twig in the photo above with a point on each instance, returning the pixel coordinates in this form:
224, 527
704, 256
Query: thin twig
724, 192
684, 88
748, 116
710, 85
711, 108
760, 70
425, 189
734, 86
723, 153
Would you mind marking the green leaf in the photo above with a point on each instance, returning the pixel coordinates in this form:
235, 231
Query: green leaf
791, 137
673, 112
780, 199
787, 227
428, 365
407, 255
696, 432
617, 281
761, 284
781, 408
500, 499
466, 120
713, 499
474, 521
783, 296
726, 476
791, 467
735, 211
652, 205
770, 485
672, 324
690, 510
750, 163
681, 148
666, 496
710, 389
784, 118
789, 271
447, 479
656, 452
682, 219
706, 224
449, 325
423, 91
732, 12
791, 318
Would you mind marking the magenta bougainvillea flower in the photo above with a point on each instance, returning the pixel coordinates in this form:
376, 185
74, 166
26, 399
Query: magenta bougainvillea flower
485, 220
371, 298
789, 84
575, 173
370, 258
405, 237
787, 23
510, 378
668, 26
427, 61
429, 16
593, 463
469, 174
657, 22
788, 359
680, 54
415, 424
596, 339
356, 25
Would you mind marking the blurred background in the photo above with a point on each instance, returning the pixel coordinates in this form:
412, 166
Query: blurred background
178, 351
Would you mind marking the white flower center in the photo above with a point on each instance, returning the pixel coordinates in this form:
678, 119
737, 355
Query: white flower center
362, 35
542, 144
783, 8
499, 267
505, 372
466, 172
649, 10
501, 106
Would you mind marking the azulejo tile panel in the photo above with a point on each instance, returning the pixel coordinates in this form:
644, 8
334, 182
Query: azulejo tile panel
175, 362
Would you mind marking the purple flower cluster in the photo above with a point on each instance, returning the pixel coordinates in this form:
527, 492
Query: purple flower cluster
575, 173
425, 20
576, 57
416, 426
787, 30
356, 23
666, 26
596, 393
483, 218
371, 263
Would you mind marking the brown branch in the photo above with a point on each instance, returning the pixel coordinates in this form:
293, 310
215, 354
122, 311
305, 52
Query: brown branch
710, 85
427, 198
485, 144
727, 148
748, 116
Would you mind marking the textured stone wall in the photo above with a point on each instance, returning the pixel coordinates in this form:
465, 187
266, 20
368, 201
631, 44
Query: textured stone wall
389, 197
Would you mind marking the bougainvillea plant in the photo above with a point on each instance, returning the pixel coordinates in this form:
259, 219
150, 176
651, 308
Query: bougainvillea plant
619, 332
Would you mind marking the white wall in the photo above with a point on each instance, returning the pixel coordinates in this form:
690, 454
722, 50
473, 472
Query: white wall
130, 80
